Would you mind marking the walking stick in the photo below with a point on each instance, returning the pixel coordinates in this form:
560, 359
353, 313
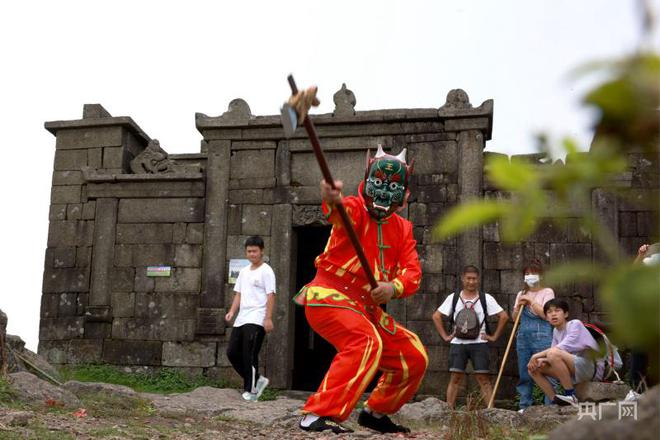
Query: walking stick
291, 120
506, 355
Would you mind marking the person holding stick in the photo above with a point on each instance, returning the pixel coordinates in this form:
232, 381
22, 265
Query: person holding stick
534, 331
342, 307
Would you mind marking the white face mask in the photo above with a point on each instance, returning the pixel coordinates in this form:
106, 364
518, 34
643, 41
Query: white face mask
532, 280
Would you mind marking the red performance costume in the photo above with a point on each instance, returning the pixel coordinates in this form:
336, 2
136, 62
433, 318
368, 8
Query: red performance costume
339, 306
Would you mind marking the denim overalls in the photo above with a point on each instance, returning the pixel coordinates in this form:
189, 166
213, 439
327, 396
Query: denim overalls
534, 335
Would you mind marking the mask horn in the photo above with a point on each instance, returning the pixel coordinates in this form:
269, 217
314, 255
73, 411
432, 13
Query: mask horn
402, 156
380, 152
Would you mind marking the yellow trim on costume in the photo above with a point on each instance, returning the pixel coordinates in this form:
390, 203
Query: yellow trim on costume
342, 270
404, 367
417, 343
398, 287
323, 293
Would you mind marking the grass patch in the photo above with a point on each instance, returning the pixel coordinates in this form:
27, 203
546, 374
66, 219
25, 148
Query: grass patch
7, 393
164, 381
269, 394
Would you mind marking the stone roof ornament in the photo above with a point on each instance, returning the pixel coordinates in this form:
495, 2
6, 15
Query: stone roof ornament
344, 102
154, 160
238, 111
457, 99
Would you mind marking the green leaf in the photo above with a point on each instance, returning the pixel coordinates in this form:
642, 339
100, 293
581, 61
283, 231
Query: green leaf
511, 176
575, 271
469, 215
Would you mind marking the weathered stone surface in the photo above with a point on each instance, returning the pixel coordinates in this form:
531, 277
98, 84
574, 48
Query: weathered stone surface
166, 305
70, 160
70, 233
82, 389
125, 352
65, 194
16, 418
189, 354
256, 219
248, 164
187, 255
151, 329
66, 280
61, 328
123, 304
161, 210
144, 233
31, 389
346, 166
184, 279
89, 137
195, 233
600, 391
432, 259
61, 257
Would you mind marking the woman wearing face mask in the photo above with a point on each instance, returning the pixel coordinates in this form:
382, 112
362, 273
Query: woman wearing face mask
534, 332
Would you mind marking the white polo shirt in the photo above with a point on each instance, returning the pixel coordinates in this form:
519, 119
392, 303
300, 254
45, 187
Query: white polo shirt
493, 309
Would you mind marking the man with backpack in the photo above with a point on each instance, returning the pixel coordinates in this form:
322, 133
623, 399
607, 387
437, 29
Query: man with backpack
467, 312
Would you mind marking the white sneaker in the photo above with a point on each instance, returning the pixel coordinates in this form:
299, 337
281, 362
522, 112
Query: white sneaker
249, 396
262, 383
570, 400
521, 410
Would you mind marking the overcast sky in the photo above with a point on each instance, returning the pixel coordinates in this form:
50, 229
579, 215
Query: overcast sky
161, 61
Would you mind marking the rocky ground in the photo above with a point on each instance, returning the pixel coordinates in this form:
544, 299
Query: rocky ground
35, 409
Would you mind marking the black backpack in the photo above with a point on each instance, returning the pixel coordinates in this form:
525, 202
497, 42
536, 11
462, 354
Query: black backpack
467, 318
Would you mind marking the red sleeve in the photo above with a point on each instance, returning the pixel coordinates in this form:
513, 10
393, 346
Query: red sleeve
409, 273
354, 209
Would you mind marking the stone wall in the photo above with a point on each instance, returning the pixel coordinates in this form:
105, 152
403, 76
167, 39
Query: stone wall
120, 203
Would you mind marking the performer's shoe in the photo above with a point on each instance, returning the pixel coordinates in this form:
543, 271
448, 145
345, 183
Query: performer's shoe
381, 424
325, 424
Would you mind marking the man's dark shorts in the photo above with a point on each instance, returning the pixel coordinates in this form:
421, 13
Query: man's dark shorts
477, 352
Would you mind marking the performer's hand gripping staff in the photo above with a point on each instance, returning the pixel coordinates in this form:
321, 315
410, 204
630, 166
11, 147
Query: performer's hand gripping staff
294, 112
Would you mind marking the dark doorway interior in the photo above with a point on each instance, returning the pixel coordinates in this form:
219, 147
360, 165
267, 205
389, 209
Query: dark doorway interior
312, 354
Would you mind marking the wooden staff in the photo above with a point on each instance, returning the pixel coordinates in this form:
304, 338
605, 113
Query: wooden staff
345, 220
506, 355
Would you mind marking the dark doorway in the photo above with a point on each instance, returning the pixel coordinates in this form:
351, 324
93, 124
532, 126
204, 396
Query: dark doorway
312, 354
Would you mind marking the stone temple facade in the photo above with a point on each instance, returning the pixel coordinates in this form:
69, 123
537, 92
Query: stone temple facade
121, 204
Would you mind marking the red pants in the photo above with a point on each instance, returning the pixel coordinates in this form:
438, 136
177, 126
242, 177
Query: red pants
364, 347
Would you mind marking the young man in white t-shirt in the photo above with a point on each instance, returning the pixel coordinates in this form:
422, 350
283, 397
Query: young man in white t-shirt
254, 299
475, 349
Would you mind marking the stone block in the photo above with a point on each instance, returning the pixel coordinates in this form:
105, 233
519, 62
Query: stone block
438, 356
563, 252
83, 256
143, 283
188, 255
61, 257
65, 194
223, 360
67, 178
67, 304
426, 332
252, 164
236, 246
49, 305
450, 260
179, 233
421, 306
83, 138
549, 231
113, 157
234, 219
144, 233
84, 351
61, 328
576, 233
182, 280
256, 219
95, 158
123, 255
189, 354
121, 352
57, 212
153, 254
153, 329
431, 283
210, 321
98, 330
417, 214
500, 256
432, 259
66, 280
70, 233
491, 281
511, 281
166, 305
195, 233
123, 304
434, 157
601, 391
121, 279
74, 211
491, 232
346, 166
161, 210
70, 160
89, 210
253, 196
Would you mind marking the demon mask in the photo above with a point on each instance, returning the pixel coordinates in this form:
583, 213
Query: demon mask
386, 183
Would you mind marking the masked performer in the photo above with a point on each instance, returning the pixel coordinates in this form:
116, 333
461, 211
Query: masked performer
341, 306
